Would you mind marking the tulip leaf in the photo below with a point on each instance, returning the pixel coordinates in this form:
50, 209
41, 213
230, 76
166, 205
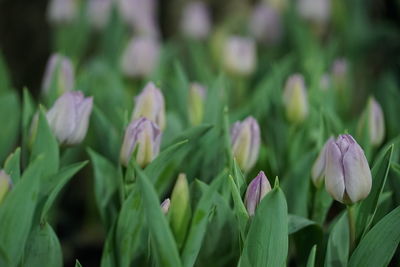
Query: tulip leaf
46, 144
12, 165
337, 250
5, 83
379, 244
59, 182
162, 240
106, 184
10, 120
108, 258
199, 222
43, 248
311, 257
296, 223
267, 244
78, 264
368, 207
239, 179
16, 214
240, 210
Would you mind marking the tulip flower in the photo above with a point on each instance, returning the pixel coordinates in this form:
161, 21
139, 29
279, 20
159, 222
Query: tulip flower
347, 173
69, 117
197, 94
340, 74
195, 21
318, 169
256, 191
165, 205
265, 24
245, 136
5, 184
373, 115
145, 136
140, 57
314, 10
239, 55
60, 74
180, 210
99, 12
150, 104
295, 99
62, 11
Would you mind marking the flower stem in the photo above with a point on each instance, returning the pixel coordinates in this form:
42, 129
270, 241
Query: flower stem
352, 226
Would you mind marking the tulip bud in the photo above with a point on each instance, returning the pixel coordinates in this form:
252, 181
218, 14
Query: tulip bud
62, 11
195, 21
197, 94
180, 210
146, 136
165, 205
325, 82
99, 13
150, 104
246, 140
59, 75
347, 173
5, 184
340, 74
376, 122
256, 191
295, 99
140, 57
318, 169
265, 24
314, 10
69, 117
239, 55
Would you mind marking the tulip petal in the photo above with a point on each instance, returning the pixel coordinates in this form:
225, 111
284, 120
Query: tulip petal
334, 177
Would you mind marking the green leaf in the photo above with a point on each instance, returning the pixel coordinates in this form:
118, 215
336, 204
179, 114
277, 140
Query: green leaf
311, 258
5, 83
78, 264
12, 165
162, 240
62, 178
240, 210
10, 120
238, 176
46, 144
108, 258
43, 248
267, 241
28, 111
379, 244
367, 208
338, 244
296, 223
199, 222
106, 183
16, 214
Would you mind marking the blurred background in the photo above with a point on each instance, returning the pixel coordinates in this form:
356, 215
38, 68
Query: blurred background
365, 32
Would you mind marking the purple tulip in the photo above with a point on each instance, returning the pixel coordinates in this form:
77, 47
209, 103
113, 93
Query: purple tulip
165, 205
246, 141
340, 73
239, 55
195, 21
256, 191
376, 122
265, 24
59, 72
318, 169
347, 173
150, 104
144, 135
62, 11
5, 184
69, 117
314, 10
99, 12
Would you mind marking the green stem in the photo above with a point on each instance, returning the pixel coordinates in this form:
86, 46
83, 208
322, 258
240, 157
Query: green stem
352, 226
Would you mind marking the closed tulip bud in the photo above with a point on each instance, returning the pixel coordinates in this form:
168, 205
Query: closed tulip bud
150, 104
62, 11
5, 184
347, 173
165, 205
318, 169
197, 94
99, 13
140, 57
195, 21
376, 122
295, 99
59, 75
239, 55
340, 74
256, 191
266, 24
143, 135
317, 11
246, 141
180, 210
69, 117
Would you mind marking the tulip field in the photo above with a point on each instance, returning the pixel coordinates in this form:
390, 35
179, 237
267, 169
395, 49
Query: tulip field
208, 133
